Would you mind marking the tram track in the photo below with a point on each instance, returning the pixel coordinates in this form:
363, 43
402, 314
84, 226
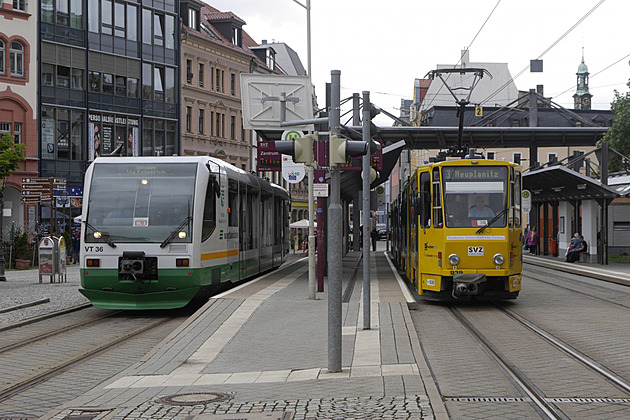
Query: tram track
592, 288
547, 406
27, 380
48, 334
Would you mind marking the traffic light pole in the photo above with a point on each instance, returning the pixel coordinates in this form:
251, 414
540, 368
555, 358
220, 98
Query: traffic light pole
334, 237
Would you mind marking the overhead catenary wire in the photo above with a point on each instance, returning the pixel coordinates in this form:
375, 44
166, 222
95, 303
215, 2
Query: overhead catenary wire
466, 49
553, 44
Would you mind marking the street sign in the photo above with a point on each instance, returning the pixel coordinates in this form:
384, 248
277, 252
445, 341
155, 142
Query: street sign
35, 187
30, 199
320, 190
268, 158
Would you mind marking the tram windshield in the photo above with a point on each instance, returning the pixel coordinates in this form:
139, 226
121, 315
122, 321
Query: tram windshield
141, 202
474, 195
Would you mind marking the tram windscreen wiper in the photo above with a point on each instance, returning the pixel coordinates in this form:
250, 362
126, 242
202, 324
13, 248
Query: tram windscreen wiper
99, 235
494, 219
178, 229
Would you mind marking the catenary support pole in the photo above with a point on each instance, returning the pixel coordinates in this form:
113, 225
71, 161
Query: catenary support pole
366, 213
334, 238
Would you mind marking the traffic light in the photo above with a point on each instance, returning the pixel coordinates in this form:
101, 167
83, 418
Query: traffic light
374, 145
341, 150
300, 149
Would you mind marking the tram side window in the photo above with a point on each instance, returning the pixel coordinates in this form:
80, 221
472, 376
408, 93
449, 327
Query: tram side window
209, 213
425, 197
277, 217
233, 204
517, 199
437, 199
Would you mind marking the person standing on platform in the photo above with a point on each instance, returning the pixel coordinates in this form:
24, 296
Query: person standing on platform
532, 240
374, 237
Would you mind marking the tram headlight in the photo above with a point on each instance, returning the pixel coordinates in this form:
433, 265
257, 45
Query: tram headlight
498, 259
182, 235
97, 235
453, 259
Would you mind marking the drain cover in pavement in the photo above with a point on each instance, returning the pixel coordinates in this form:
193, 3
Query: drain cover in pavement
286, 415
194, 398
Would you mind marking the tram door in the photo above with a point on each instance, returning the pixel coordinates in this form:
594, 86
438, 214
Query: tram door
424, 226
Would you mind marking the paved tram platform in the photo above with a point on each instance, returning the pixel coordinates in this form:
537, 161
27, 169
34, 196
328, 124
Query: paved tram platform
261, 351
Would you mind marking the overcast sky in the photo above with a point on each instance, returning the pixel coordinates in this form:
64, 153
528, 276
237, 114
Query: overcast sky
382, 46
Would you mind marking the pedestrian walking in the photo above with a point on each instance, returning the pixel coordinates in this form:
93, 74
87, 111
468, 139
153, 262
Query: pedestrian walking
374, 237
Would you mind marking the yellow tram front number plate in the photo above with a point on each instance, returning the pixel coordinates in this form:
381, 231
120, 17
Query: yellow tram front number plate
515, 283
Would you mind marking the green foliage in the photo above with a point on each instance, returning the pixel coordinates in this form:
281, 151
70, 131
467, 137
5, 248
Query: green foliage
618, 136
22, 247
10, 155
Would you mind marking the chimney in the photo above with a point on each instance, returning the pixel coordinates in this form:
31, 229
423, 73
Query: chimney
264, 41
465, 58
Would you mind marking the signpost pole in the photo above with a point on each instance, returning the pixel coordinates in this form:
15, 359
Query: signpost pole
335, 215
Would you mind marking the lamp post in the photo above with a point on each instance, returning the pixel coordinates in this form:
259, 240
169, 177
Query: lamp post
310, 172
2, 276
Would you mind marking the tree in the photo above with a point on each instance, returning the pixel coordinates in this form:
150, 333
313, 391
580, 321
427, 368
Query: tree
618, 135
10, 155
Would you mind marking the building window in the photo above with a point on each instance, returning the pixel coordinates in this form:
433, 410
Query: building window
5, 127
1, 56
95, 81
492, 155
201, 74
16, 58
119, 25
106, 17
552, 157
201, 120
17, 133
108, 83
236, 36
271, 59
63, 77
158, 30
189, 74
193, 20
516, 158
233, 84
19, 5
217, 80
188, 119
232, 127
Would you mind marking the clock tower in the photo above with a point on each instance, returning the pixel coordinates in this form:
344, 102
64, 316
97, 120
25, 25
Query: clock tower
582, 97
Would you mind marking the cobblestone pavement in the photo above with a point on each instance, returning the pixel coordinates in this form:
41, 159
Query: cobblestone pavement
357, 408
23, 287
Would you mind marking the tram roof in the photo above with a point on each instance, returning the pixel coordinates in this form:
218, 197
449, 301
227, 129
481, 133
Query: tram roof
558, 183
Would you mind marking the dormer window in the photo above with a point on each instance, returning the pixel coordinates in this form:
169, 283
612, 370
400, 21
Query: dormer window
193, 19
236, 36
270, 58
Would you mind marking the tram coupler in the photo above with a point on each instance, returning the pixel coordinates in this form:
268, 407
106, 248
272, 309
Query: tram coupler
131, 265
468, 284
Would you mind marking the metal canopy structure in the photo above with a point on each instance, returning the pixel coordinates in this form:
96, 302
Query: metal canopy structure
504, 137
558, 183
351, 181
478, 137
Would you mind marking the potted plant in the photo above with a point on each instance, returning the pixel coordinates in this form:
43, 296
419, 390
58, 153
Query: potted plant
22, 252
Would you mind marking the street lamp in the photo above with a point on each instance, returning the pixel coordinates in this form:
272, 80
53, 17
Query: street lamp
2, 276
310, 171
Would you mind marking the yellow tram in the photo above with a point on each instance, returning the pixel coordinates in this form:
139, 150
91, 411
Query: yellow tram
457, 229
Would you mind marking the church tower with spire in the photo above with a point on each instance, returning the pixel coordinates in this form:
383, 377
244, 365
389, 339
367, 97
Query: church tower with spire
582, 97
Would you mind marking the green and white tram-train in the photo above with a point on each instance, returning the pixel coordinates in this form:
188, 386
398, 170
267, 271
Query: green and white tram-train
158, 232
